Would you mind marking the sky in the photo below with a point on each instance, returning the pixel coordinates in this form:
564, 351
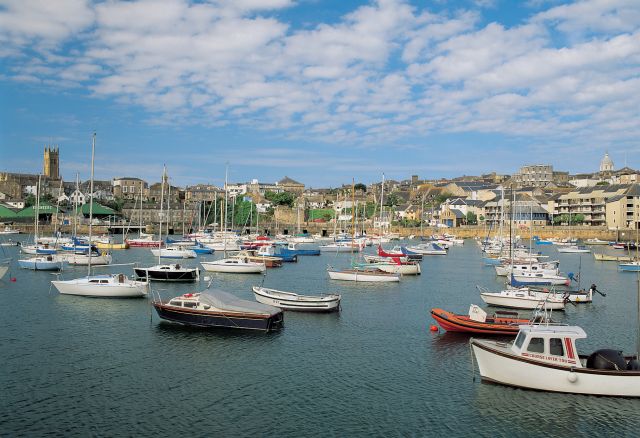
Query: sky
321, 91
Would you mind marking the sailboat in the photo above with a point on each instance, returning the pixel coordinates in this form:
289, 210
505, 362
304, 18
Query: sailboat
37, 247
234, 265
111, 285
166, 272
41, 262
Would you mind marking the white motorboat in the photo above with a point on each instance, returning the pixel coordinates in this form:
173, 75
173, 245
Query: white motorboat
174, 252
428, 249
538, 278
42, 263
341, 247
574, 249
545, 357
293, 301
221, 245
114, 285
399, 267
380, 259
82, 258
362, 275
547, 268
523, 299
596, 241
234, 265
8, 230
38, 248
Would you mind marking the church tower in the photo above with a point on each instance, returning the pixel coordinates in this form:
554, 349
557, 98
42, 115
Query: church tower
51, 162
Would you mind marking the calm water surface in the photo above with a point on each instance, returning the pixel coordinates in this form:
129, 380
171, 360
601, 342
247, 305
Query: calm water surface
80, 366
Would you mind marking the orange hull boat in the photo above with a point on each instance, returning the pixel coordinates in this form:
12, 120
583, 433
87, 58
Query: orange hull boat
501, 323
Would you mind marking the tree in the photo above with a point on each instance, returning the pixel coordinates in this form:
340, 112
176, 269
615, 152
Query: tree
392, 200
243, 210
284, 198
361, 187
439, 199
472, 219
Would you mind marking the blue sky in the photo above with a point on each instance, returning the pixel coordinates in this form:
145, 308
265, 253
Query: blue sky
321, 91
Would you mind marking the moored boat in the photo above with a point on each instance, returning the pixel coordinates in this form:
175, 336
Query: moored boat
234, 265
114, 286
42, 263
168, 272
500, 323
545, 357
293, 301
217, 308
362, 275
523, 299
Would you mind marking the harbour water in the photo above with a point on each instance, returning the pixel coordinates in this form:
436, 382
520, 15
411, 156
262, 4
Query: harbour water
74, 366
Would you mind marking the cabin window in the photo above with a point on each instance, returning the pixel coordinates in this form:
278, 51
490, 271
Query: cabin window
555, 347
520, 339
176, 303
190, 304
536, 345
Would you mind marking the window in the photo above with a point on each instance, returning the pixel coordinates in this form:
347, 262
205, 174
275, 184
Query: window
190, 304
124, 189
175, 303
536, 345
555, 347
520, 339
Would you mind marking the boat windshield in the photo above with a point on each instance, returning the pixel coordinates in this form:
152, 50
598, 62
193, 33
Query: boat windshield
520, 339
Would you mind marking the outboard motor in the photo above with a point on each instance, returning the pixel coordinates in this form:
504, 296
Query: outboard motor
633, 365
607, 359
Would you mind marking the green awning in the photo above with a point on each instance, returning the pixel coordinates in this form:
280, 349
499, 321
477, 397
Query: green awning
45, 208
98, 210
6, 212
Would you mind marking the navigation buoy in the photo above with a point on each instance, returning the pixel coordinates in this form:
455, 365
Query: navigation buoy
433, 328
13, 279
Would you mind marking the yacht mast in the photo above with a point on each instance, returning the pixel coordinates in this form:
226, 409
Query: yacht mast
93, 152
164, 173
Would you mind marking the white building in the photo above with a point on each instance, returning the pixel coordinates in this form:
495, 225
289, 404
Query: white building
606, 164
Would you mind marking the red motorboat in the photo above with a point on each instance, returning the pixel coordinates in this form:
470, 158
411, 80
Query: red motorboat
477, 322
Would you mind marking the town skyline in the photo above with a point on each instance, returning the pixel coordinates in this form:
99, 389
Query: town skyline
324, 92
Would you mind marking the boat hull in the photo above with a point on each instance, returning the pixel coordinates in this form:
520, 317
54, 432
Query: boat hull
256, 268
519, 302
188, 275
297, 303
233, 320
107, 291
507, 369
463, 324
363, 276
39, 265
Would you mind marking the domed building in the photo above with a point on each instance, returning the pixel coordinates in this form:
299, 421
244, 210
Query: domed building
606, 164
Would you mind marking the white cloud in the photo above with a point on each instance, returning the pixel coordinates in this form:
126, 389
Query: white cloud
384, 71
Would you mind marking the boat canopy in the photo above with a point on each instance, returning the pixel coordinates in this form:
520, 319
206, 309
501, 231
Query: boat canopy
226, 301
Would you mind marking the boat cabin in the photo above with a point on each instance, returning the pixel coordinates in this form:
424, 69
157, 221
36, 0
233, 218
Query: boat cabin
190, 301
548, 343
